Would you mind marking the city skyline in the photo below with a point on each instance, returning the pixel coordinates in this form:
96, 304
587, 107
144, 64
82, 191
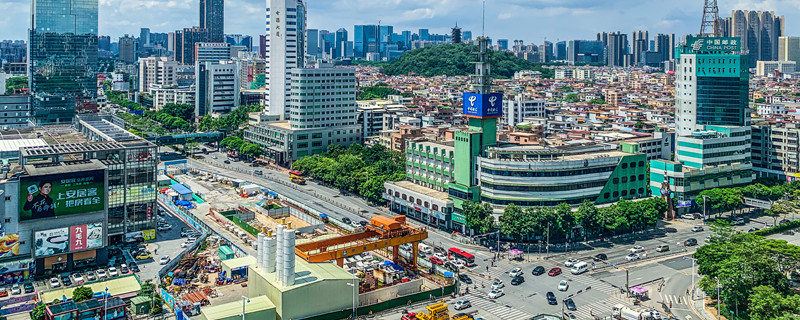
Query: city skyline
505, 19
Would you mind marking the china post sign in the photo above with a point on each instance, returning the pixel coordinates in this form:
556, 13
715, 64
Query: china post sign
483, 105
728, 44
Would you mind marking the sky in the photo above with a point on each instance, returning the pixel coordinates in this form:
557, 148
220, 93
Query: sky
532, 21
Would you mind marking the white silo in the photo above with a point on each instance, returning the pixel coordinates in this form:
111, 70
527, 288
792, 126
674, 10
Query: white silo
279, 253
288, 257
260, 250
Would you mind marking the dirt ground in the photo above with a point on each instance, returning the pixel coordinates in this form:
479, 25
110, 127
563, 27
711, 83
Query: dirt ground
228, 293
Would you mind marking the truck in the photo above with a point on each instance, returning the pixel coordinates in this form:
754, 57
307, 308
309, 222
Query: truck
621, 312
296, 177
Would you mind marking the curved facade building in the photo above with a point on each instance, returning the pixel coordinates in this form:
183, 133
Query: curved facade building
535, 176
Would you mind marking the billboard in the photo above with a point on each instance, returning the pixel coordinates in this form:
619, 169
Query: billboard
477, 105
62, 194
727, 44
9, 245
86, 236
51, 242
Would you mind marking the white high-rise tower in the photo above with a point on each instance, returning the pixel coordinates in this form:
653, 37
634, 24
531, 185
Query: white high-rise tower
285, 49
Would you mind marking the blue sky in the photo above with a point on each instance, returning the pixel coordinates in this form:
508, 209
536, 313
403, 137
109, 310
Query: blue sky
528, 20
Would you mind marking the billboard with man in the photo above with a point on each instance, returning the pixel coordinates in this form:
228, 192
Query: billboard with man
62, 194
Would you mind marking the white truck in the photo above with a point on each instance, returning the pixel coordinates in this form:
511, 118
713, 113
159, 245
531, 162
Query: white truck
621, 312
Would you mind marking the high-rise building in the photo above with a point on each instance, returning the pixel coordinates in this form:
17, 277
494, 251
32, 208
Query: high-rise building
284, 18
327, 42
665, 45
159, 71
185, 41
365, 40
640, 43
585, 51
262, 46
104, 43
13, 51
212, 18
616, 44
62, 60
211, 51
789, 49
127, 49
424, 35
759, 32
144, 37
560, 51
546, 52
502, 44
312, 42
217, 87
239, 40
711, 120
466, 36
455, 34
340, 42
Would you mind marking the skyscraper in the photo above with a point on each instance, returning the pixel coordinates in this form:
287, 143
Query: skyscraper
239, 40
185, 41
424, 35
546, 52
641, 41
104, 43
585, 51
62, 58
560, 51
502, 44
789, 49
212, 18
455, 34
284, 18
759, 32
340, 41
616, 44
466, 36
365, 40
312, 42
144, 37
665, 45
127, 49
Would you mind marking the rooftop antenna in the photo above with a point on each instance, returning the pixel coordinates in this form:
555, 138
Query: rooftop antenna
709, 27
483, 20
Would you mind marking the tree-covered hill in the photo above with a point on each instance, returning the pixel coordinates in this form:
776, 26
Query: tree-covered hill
456, 60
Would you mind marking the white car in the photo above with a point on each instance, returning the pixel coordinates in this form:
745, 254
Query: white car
163, 260
462, 304
498, 284
563, 285
187, 243
636, 249
571, 262
54, 283
112, 272
440, 255
697, 228
164, 227
101, 274
460, 264
516, 272
16, 289
496, 293
77, 278
687, 216
632, 257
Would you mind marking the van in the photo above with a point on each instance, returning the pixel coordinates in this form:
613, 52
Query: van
662, 248
258, 172
579, 268
424, 248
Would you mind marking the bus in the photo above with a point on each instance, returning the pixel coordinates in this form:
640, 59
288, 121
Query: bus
456, 253
296, 177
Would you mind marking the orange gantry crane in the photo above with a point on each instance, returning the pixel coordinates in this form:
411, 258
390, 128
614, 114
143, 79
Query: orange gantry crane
382, 232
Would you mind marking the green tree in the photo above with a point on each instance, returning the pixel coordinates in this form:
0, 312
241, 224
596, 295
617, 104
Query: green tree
15, 83
478, 216
81, 294
760, 100
572, 97
39, 311
779, 208
587, 216
597, 101
515, 223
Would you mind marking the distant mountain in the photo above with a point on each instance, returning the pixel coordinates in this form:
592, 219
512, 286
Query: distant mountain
456, 60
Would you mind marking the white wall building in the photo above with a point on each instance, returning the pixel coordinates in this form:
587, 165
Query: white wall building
284, 50
217, 89
518, 107
767, 68
159, 71
765, 109
162, 96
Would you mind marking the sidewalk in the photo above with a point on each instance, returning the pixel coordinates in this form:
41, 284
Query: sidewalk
698, 307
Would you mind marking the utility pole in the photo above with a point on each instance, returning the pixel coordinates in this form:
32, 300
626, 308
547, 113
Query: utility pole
704, 208
719, 287
547, 255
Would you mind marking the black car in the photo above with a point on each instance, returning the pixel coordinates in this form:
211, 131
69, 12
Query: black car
752, 229
227, 162
570, 304
551, 298
517, 280
347, 220
67, 282
134, 267
363, 223
600, 257
29, 288
690, 242
538, 271
450, 266
464, 278
459, 315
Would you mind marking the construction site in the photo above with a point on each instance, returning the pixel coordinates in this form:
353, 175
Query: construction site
299, 256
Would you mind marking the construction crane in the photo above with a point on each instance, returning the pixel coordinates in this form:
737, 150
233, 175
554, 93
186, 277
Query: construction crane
382, 232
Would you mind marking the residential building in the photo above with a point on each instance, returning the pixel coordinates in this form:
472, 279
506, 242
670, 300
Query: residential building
640, 43
767, 110
13, 51
162, 96
62, 59
312, 123
209, 51
430, 163
520, 107
159, 71
564, 73
665, 46
217, 87
769, 68
14, 111
758, 32
284, 19
212, 18
537, 176
398, 138
775, 150
127, 49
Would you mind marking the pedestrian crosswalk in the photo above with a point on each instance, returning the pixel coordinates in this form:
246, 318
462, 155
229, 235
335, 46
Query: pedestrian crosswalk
675, 300
489, 309
589, 283
598, 308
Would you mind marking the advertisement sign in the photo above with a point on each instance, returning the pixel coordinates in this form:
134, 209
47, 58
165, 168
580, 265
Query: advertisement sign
61, 194
481, 106
86, 236
685, 203
149, 234
728, 44
51, 242
9, 245
94, 238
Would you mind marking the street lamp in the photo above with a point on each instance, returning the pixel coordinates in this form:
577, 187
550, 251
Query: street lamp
693, 261
105, 304
704, 208
354, 297
244, 300
719, 287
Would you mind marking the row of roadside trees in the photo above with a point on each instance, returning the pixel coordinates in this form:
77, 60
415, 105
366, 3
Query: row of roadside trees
784, 197
561, 222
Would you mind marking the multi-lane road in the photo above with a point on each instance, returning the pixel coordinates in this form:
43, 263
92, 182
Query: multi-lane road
593, 292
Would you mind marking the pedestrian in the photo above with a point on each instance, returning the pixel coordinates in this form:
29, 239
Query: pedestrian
487, 268
670, 304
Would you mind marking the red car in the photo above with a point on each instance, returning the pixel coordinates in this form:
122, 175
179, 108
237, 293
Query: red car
436, 260
554, 272
409, 316
3, 293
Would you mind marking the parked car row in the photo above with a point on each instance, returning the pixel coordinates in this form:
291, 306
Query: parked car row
79, 278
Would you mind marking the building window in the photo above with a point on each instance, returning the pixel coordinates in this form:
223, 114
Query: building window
641, 163
616, 180
616, 194
404, 197
625, 165
641, 177
397, 194
624, 193
624, 179
606, 195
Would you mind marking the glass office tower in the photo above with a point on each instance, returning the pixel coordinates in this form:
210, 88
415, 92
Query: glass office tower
62, 56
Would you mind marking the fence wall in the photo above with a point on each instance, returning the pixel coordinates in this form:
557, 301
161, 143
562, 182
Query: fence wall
386, 305
385, 294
